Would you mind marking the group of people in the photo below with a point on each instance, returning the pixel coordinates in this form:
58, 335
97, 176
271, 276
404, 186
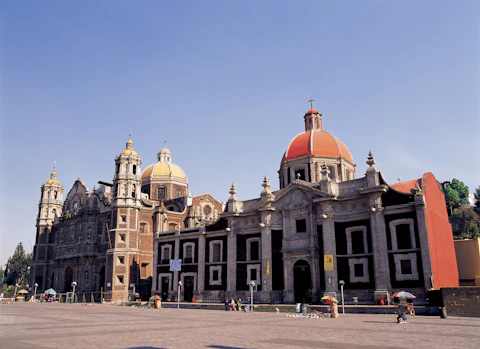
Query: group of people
231, 305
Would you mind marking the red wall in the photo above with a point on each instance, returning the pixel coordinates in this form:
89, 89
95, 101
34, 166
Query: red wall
440, 236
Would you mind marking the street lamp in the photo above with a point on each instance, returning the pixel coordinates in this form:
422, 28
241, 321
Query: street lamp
252, 286
74, 284
341, 282
35, 293
16, 285
178, 299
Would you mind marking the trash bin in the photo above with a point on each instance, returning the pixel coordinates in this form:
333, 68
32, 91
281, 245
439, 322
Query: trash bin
298, 308
443, 312
158, 304
304, 309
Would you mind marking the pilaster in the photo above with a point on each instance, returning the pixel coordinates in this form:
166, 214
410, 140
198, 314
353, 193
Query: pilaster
424, 244
330, 248
201, 264
231, 261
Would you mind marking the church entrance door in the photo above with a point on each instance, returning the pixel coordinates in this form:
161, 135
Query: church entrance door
68, 279
165, 288
188, 290
302, 281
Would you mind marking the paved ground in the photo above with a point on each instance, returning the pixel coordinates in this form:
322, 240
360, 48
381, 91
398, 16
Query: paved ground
27, 325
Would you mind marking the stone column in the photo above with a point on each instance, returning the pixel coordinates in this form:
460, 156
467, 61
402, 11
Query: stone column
380, 250
201, 265
231, 261
330, 248
288, 292
266, 257
176, 273
155, 269
424, 244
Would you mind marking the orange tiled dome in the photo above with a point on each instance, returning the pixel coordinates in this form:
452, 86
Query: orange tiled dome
317, 143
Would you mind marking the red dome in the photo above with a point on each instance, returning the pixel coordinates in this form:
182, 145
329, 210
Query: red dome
312, 111
317, 143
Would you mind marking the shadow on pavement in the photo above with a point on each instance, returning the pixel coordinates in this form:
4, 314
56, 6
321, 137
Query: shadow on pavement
224, 347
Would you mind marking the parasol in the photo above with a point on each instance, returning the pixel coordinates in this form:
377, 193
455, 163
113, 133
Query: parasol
403, 294
155, 298
22, 291
329, 299
50, 291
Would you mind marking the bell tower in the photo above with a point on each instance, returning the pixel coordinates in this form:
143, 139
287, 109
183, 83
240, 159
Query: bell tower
49, 207
127, 178
123, 257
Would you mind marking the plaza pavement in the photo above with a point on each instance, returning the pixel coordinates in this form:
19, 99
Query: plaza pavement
41, 325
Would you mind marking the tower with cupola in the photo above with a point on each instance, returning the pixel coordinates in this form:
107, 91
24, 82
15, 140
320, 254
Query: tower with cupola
49, 208
123, 257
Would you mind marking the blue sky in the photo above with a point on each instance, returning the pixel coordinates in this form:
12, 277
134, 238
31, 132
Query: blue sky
226, 83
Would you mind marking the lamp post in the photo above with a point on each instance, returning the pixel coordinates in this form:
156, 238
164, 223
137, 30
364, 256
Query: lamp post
74, 284
252, 285
178, 299
16, 286
35, 293
341, 287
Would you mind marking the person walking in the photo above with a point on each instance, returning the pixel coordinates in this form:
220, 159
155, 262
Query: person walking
401, 315
227, 303
233, 305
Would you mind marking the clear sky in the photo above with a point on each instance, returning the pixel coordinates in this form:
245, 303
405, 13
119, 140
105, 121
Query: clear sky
226, 83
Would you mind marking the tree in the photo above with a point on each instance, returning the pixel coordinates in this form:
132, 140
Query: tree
477, 200
465, 223
456, 195
18, 266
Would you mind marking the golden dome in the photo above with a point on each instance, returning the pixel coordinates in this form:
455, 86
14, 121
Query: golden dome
53, 179
128, 152
129, 149
163, 170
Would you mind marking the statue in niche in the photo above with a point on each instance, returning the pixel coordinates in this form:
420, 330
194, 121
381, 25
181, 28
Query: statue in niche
72, 234
89, 233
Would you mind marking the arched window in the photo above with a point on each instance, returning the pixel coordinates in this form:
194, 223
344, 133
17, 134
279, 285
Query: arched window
178, 193
133, 189
134, 169
161, 193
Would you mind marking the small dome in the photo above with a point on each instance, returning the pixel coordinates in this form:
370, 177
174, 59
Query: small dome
128, 152
312, 111
129, 149
53, 179
317, 143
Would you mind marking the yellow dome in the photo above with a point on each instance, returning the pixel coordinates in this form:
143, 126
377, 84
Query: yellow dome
128, 152
163, 170
53, 179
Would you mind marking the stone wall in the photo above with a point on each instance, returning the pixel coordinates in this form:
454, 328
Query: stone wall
462, 301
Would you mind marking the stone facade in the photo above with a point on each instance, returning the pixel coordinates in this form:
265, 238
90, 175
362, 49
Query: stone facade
324, 225
103, 239
296, 244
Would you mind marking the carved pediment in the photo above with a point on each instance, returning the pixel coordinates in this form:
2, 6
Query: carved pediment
295, 196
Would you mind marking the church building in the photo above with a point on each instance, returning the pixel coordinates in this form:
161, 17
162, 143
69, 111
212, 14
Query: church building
325, 226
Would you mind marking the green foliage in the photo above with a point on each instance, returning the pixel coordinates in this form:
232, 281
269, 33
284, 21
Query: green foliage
465, 223
18, 267
476, 193
456, 195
